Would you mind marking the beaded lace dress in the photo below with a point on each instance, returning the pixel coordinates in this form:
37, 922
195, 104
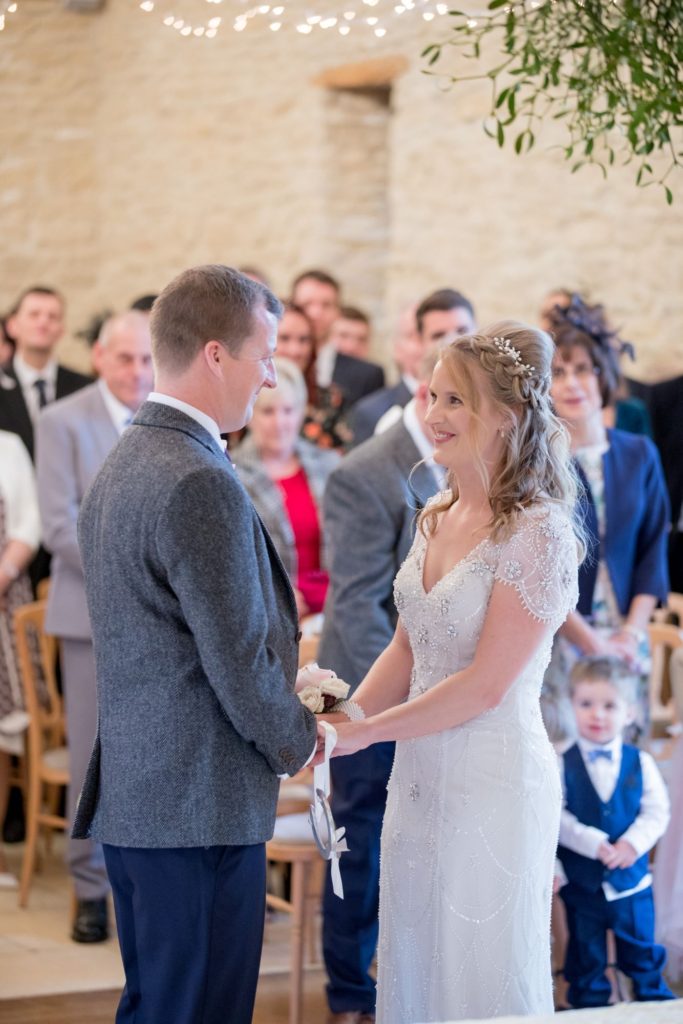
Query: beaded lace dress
472, 820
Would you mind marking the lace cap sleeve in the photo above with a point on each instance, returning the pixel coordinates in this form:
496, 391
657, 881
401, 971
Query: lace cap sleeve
540, 561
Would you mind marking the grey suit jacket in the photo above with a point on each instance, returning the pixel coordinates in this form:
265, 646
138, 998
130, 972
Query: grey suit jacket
370, 508
74, 437
195, 634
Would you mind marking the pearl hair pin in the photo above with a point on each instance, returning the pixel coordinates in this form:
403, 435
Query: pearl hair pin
506, 348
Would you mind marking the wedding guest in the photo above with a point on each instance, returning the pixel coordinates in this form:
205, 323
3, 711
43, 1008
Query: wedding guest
473, 804
350, 333
319, 295
36, 323
615, 809
626, 516
625, 411
75, 435
441, 316
391, 477
285, 477
296, 341
19, 539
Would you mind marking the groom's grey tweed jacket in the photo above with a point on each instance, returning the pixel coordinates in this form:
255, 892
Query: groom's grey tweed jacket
195, 633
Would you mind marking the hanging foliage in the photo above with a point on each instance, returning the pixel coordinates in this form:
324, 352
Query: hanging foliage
609, 69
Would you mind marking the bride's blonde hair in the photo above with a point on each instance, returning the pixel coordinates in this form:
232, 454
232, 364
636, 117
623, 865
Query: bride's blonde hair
511, 363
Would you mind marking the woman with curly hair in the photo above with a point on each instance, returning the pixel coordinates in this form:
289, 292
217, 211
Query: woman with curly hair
473, 805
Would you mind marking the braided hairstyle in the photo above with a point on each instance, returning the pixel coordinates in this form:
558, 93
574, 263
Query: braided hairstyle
510, 363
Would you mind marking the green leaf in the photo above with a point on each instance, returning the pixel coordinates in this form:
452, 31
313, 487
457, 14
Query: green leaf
500, 134
495, 4
502, 96
669, 195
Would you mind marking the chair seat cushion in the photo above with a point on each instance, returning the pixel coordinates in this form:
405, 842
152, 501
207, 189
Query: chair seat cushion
57, 759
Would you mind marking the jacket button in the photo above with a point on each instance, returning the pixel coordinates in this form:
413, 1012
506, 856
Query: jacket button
298, 636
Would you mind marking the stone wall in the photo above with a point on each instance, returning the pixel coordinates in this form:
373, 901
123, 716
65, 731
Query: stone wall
128, 152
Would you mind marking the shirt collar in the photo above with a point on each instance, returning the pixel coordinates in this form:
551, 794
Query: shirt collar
120, 414
28, 375
197, 415
410, 382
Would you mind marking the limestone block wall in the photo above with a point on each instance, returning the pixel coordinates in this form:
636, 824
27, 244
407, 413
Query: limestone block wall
128, 152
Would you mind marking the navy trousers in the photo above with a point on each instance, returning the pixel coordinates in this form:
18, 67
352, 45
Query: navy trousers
190, 926
350, 926
632, 920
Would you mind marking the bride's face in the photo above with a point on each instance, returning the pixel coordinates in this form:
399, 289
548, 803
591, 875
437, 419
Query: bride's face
460, 438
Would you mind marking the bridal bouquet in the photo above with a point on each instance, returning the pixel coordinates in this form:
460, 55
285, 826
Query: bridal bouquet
322, 694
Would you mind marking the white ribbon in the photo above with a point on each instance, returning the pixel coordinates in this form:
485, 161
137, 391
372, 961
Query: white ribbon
329, 839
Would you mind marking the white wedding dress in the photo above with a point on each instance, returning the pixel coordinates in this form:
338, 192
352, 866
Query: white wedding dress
472, 818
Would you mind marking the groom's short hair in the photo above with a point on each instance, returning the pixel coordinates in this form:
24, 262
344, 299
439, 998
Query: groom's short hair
206, 303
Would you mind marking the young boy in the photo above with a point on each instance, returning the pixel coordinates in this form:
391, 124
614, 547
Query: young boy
615, 809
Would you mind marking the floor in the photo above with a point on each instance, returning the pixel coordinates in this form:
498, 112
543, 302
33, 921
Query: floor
79, 983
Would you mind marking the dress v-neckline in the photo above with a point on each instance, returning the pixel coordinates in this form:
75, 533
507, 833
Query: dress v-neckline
449, 572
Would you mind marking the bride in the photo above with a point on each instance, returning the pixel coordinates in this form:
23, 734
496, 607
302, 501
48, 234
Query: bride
472, 817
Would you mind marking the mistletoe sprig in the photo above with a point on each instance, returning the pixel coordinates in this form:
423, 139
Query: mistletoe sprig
610, 69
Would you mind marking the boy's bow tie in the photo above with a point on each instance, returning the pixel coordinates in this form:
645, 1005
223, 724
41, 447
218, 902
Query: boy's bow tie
593, 755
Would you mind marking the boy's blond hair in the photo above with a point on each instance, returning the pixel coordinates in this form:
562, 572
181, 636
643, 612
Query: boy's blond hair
606, 669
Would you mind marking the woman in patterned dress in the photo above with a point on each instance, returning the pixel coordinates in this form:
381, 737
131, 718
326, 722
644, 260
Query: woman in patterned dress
19, 539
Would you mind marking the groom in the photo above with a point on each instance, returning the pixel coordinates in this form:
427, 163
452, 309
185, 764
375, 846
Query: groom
195, 634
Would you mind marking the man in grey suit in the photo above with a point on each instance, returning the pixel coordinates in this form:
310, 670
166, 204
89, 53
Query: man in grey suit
196, 642
370, 506
74, 437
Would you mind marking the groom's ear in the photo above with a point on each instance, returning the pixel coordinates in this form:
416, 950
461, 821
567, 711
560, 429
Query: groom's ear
213, 355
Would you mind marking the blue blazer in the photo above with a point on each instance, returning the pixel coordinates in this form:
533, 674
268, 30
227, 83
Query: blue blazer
637, 523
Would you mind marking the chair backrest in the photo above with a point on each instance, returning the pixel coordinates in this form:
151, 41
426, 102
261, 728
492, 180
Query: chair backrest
37, 655
664, 638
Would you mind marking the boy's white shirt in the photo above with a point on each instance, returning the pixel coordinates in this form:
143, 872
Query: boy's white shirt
649, 826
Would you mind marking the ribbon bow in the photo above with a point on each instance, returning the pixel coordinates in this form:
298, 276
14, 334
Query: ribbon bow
328, 838
593, 755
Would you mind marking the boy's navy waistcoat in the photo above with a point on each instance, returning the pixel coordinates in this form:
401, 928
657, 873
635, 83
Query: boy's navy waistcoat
612, 817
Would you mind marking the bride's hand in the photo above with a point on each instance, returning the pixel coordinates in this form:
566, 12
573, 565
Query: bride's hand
351, 736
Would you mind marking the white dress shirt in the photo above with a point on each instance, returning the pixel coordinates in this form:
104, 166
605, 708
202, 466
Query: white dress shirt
649, 826
27, 377
325, 359
200, 417
120, 414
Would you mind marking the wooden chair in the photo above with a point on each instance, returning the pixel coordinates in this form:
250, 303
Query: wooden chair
48, 759
292, 846
664, 640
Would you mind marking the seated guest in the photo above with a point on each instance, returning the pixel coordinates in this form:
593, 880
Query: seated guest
19, 539
350, 333
319, 295
285, 477
625, 513
442, 315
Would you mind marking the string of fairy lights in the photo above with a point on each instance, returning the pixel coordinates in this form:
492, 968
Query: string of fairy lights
353, 18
